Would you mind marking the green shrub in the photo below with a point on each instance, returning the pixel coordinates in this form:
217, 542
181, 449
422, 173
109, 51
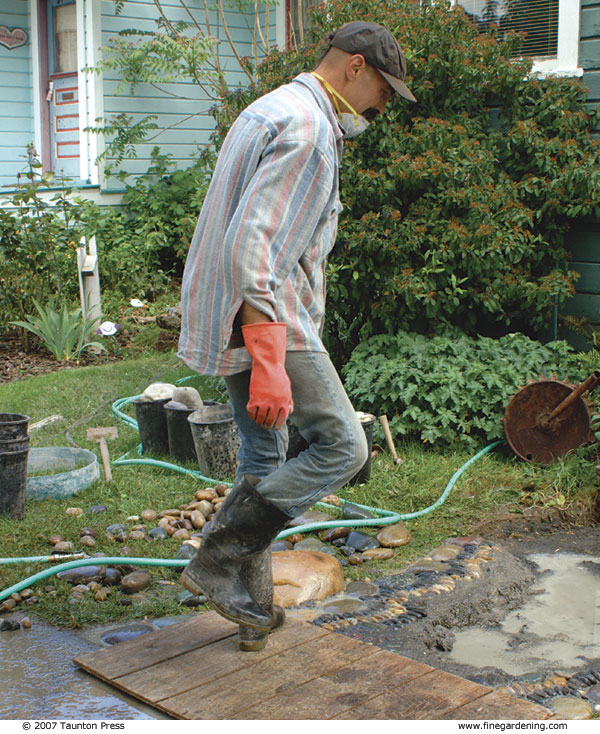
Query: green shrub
449, 390
456, 207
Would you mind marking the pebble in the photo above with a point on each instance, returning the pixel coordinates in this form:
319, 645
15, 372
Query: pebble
136, 535
472, 539
97, 508
74, 511
294, 538
355, 560
205, 507
344, 605
332, 499
378, 554
26, 623
309, 544
309, 517
185, 553
190, 600
361, 541
64, 546
330, 534
181, 534
9, 625
206, 494
148, 515
8, 605
281, 545
393, 536
593, 696
158, 534
198, 519
81, 574
112, 577
54, 539
571, 708
351, 511
88, 531
136, 581
420, 566
444, 553
87, 541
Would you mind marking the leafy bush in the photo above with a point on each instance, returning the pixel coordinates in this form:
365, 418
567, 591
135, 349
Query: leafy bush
456, 207
446, 390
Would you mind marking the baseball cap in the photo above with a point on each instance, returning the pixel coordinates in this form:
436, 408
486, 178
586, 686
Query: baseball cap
379, 48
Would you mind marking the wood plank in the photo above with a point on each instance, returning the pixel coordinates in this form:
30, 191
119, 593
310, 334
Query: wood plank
209, 663
583, 304
589, 282
338, 690
153, 647
499, 705
428, 697
275, 675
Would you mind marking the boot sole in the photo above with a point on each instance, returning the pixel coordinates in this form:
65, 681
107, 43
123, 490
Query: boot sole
193, 587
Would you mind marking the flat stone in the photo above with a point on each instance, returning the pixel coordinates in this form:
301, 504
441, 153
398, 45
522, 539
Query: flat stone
593, 695
112, 576
378, 554
344, 605
571, 708
186, 553
436, 566
362, 588
9, 625
81, 574
330, 534
350, 511
361, 541
135, 582
158, 534
63, 546
190, 600
299, 576
393, 536
444, 553
309, 544
281, 545
470, 540
94, 509
309, 517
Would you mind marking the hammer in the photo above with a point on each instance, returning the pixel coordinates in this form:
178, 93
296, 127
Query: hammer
100, 435
388, 437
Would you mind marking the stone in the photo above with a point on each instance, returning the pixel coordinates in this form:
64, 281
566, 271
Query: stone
393, 536
300, 576
102, 594
208, 494
570, 708
351, 511
420, 566
185, 553
26, 623
198, 519
136, 581
281, 545
332, 499
471, 540
309, 517
181, 534
361, 588
54, 539
81, 574
9, 625
64, 546
345, 605
361, 541
8, 605
112, 576
355, 560
330, 534
378, 554
74, 511
88, 531
136, 535
205, 507
593, 696
443, 553
87, 541
190, 600
309, 544
148, 515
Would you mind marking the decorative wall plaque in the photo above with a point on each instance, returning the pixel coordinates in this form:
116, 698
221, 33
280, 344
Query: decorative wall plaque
13, 38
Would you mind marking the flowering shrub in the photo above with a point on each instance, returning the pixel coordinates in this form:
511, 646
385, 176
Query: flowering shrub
456, 206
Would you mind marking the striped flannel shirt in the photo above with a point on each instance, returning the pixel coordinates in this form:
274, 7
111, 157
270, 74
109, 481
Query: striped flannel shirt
267, 224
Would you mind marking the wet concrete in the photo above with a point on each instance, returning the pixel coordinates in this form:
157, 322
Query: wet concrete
558, 626
38, 679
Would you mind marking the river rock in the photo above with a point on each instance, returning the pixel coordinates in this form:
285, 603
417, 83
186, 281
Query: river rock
471, 540
158, 534
361, 588
112, 576
137, 535
361, 541
205, 508
345, 605
393, 536
94, 509
87, 541
54, 539
330, 534
378, 554
81, 574
136, 581
309, 544
122, 634
281, 545
571, 708
354, 512
185, 553
208, 494
9, 625
74, 511
299, 576
64, 546
444, 553
420, 566
148, 515
189, 396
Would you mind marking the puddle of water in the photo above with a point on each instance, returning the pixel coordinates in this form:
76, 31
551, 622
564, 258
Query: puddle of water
38, 680
558, 627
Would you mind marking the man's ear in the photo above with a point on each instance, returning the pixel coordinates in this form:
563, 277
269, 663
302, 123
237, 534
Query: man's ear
355, 63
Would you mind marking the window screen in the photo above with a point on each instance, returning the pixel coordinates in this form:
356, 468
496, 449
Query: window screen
65, 39
536, 19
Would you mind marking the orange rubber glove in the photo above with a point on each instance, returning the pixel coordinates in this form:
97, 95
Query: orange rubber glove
270, 390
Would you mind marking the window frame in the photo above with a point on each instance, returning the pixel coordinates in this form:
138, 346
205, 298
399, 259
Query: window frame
566, 62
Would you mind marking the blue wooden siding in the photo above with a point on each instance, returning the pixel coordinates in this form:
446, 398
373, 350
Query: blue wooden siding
182, 99
16, 82
583, 241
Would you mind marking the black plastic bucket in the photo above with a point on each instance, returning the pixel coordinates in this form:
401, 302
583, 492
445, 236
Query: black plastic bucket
10, 445
179, 432
13, 483
152, 425
13, 425
367, 420
216, 439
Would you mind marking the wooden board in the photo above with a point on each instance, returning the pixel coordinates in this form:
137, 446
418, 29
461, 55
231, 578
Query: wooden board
194, 670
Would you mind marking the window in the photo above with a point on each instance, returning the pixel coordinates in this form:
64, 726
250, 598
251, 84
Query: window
551, 29
298, 20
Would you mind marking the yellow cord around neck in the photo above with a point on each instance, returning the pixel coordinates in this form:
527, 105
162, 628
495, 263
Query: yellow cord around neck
336, 96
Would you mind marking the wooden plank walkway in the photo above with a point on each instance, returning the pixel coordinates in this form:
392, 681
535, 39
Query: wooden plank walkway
194, 670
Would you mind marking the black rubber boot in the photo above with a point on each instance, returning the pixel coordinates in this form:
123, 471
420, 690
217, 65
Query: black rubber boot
258, 577
243, 527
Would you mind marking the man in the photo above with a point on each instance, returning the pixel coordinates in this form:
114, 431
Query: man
253, 304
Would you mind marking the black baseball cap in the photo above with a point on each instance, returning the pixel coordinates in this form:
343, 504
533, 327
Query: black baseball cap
379, 48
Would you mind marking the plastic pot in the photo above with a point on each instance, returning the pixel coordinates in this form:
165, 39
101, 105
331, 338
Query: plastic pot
216, 440
13, 425
152, 425
13, 482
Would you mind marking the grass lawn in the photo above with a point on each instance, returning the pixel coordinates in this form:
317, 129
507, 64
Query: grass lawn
84, 398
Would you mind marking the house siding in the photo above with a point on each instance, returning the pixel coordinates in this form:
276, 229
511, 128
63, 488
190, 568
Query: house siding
16, 84
583, 240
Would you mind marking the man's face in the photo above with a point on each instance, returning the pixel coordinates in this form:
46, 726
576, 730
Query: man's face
372, 93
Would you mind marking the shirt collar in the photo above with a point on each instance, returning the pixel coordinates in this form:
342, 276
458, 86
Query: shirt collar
323, 100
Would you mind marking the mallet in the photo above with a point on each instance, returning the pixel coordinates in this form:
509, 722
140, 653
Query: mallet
100, 435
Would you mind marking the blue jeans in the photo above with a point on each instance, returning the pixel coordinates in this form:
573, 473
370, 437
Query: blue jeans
337, 446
